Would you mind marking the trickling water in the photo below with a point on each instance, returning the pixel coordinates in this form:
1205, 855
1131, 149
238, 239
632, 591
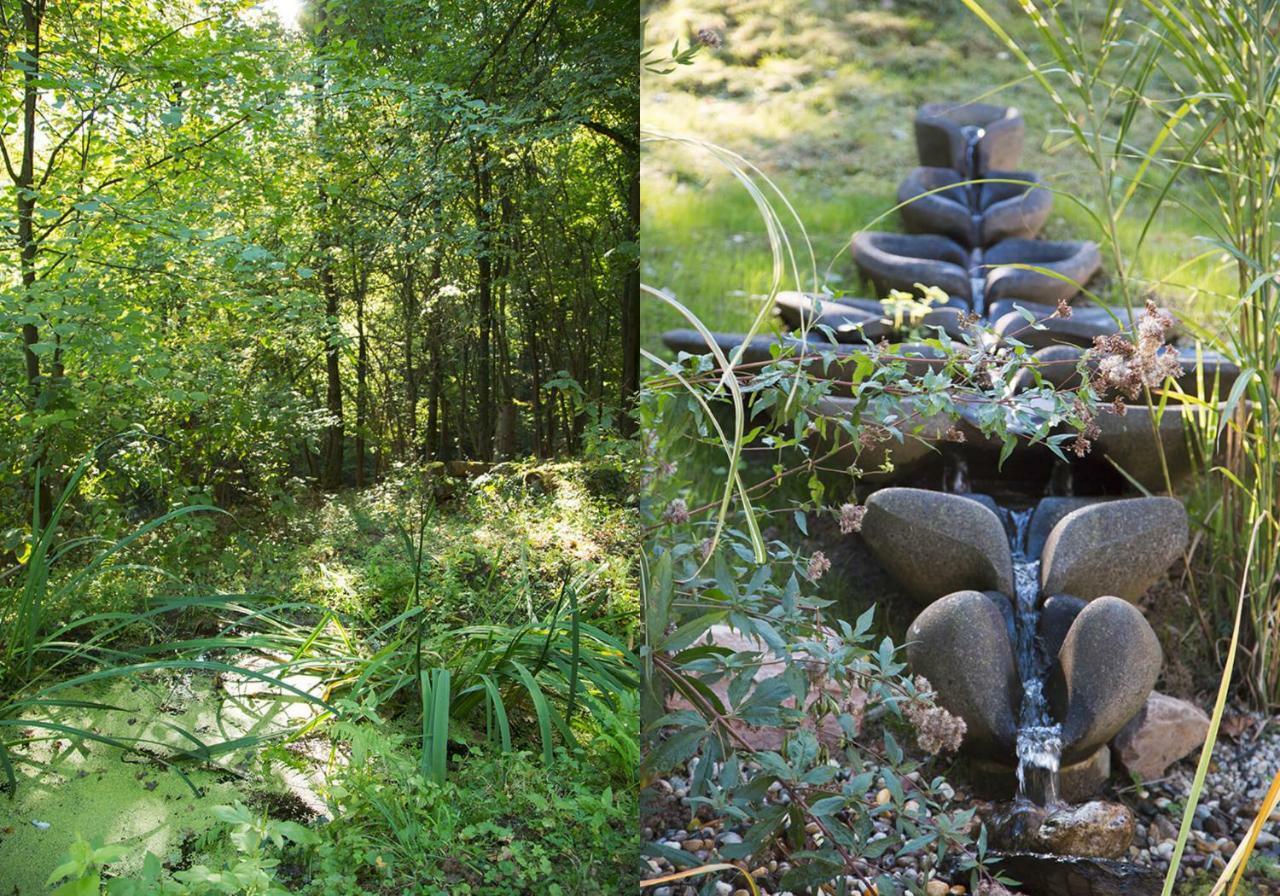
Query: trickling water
1039, 744
972, 137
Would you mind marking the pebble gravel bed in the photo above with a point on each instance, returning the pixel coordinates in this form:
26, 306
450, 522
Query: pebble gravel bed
1239, 776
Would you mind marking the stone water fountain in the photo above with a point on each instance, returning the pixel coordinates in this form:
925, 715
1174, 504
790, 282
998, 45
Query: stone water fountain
1027, 626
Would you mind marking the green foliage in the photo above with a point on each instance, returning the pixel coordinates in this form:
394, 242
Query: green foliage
255, 840
497, 825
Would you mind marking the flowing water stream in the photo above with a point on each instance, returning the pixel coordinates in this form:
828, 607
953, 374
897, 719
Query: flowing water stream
1039, 744
977, 281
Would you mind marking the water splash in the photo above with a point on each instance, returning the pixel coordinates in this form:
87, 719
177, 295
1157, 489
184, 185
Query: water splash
1039, 743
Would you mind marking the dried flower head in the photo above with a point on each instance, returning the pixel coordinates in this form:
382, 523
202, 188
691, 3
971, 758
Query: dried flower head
818, 565
677, 512
1063, 310
1125, 367
710, 37
851, 518
937, 730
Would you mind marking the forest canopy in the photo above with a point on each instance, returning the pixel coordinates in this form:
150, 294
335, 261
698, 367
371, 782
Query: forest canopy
273, 252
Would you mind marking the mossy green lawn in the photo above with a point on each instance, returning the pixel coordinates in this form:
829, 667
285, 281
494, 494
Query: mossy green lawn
821, 96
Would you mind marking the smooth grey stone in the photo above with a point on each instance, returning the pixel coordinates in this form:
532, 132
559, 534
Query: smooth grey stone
901, 260
1104, 671
850, 324
760, 349
1005, 606
1127, 442
1077, 262
941, 143
1077, 781
975, 214
1113, 548
934, 543
1075, 331
960, 643
1048, 513
907, 456
1057, 615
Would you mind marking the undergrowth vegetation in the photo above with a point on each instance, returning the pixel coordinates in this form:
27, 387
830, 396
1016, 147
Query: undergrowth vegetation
465, 648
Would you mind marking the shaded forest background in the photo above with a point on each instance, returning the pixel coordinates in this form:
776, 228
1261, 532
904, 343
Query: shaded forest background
279, 256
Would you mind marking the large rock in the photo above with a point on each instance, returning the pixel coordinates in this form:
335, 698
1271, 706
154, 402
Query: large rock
1099, 829
829, 733
1119, 548
934, 543
1106, 668
1165, 730
1048, 513
1057, 615
1129, 443
961, 644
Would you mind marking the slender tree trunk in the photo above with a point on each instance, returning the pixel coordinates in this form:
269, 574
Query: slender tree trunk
631, 310
362, 378
409, 302
484, 289
25, 188
331, 477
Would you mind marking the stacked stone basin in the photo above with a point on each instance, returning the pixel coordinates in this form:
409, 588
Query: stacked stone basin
972, 217
950, 553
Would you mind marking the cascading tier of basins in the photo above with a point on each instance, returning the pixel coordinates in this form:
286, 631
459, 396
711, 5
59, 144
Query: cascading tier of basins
977, 243
1027, 628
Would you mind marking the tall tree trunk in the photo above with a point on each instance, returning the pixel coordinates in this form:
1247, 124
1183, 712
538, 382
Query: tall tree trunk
484, 289
331, 477
25, 184
409, 302
631, 309
362, 378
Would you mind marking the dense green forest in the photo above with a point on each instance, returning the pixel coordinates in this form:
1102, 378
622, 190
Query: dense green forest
321, 351
311, 247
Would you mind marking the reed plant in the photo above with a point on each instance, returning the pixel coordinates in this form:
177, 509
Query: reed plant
1202, 76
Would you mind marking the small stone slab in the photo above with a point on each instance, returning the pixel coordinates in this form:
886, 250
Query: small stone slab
1165, 730
1042, 874
1116, 547
1077, 782
934, 543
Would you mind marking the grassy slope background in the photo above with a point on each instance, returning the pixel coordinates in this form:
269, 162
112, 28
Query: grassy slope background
820, 94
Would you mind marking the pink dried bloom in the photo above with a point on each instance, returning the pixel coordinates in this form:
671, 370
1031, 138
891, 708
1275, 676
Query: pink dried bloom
710, 37
851, 518
937, 731
1063, 310
677, 512
1126, 367
818, 565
